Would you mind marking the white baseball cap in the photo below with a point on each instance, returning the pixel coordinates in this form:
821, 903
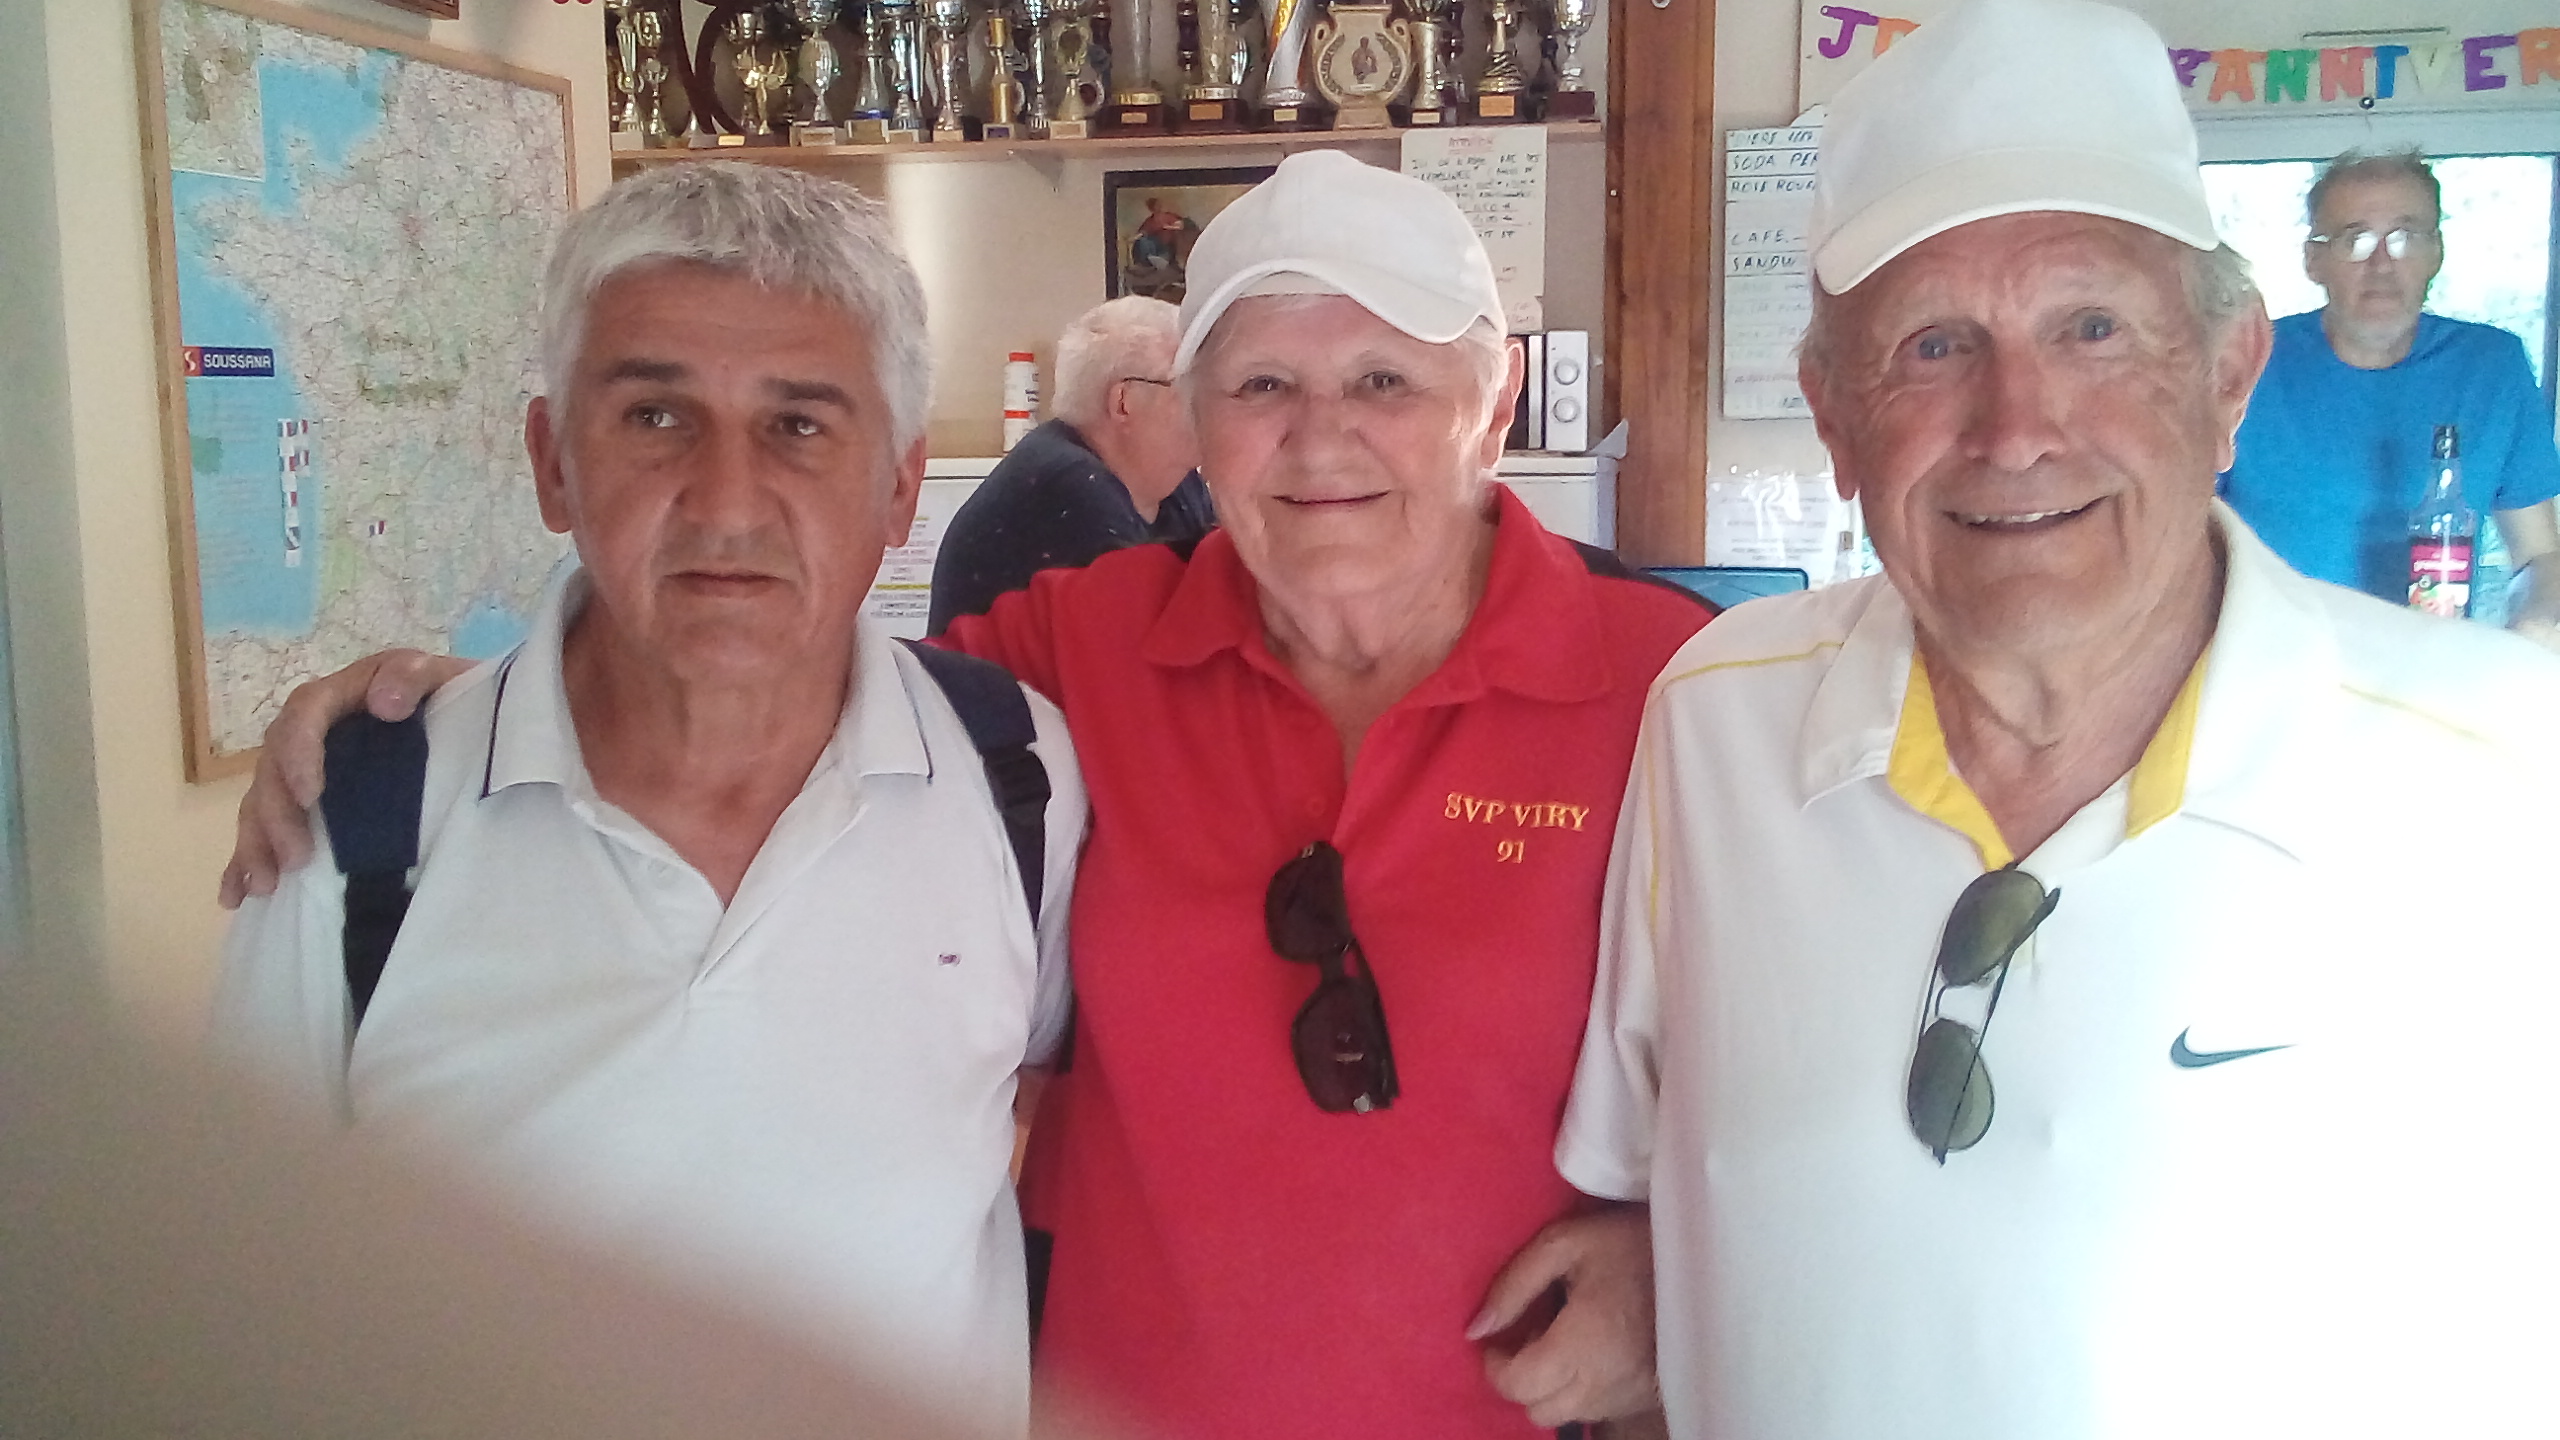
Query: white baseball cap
2000, 107
1326, 224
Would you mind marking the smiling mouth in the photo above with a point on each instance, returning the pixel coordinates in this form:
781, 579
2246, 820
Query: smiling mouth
2012, 524
1336, 502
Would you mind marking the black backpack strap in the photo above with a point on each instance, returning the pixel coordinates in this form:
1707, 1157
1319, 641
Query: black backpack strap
373, 789
991, 707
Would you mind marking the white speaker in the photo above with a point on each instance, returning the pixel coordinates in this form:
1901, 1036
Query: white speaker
1567, 391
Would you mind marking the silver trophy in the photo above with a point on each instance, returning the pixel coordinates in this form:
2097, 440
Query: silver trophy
1435, 22
813, 119
1569, 21
652, 25
1283, 97
905, 29
1133, 50
626, 75
875, 93
1213, 72
948, 24
1035, 80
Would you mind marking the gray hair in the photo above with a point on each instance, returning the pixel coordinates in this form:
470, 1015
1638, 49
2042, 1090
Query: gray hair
1488, 351
780, 228
1130, 336
2217, 283
2410, 164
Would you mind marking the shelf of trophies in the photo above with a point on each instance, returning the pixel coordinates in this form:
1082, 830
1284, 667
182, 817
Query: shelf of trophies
810, 82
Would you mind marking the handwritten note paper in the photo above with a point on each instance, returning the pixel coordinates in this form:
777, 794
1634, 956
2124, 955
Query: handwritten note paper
1768, 294
1498, 176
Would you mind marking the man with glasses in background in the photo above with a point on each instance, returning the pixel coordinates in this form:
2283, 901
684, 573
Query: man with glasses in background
1115, 469
2336, 450
2024, 999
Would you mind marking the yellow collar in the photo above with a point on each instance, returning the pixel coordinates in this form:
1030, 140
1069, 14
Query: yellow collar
1922, 775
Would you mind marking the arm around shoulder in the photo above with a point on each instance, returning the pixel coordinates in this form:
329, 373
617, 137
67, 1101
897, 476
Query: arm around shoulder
280, 1000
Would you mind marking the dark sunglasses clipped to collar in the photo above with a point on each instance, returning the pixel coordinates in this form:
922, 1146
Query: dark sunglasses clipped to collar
1949, 1093
1340, 1036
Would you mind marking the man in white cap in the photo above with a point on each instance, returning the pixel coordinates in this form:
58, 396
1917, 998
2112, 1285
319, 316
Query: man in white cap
2090, 796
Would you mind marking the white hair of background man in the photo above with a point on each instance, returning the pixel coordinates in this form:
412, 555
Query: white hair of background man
1115, 340
783, 229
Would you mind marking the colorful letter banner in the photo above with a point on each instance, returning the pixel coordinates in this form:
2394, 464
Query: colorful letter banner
1839, 40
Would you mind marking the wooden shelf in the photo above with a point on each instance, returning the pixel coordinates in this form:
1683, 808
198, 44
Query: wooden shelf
1561, 132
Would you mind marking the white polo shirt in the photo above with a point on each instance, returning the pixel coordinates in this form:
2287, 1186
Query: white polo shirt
800, 1104
2353, 1234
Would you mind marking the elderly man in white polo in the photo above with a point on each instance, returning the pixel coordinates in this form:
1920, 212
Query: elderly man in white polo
718, 961
2090, 808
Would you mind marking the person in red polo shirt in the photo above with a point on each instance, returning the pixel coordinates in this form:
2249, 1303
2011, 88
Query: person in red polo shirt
1355, 761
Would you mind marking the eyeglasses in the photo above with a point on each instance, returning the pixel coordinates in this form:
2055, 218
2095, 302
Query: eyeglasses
1340, 1036
2361, 243
1949, 1094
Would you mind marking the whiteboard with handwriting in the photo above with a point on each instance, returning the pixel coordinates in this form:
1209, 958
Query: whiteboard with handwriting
1498, 176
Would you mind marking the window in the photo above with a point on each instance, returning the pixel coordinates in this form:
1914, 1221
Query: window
2497, 239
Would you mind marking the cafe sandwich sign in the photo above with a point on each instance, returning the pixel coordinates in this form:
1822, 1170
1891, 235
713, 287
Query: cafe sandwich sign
2428, 69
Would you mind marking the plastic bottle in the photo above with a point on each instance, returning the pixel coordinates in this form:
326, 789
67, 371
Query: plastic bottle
1021, 396
2441, 531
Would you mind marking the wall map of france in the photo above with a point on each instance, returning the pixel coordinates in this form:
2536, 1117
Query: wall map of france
356, 237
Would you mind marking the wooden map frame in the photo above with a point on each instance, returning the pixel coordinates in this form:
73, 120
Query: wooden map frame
204, 762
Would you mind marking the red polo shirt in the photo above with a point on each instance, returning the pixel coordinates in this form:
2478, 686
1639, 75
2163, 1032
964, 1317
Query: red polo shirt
1232, 1262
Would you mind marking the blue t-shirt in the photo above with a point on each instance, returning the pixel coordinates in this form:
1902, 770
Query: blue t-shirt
2332, 458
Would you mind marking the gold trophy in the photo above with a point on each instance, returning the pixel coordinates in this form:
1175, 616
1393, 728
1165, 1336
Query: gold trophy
1500, 92
1286, 103
1082, 83
1363, 58
1211, 98
1006, 94
813, 119
1433, 23
1137, 101
1568, 21
761, 72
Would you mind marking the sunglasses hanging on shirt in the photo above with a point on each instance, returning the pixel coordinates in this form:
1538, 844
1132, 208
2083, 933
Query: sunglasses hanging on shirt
1340, 1036
1948, 1096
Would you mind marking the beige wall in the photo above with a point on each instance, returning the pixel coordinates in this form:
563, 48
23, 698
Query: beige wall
123, 852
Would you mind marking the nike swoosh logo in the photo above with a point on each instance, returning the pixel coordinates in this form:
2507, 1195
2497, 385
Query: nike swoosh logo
2186, 1059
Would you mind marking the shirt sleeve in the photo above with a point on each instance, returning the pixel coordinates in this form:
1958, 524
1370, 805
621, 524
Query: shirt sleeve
1062, 848
1057, 522
1605, 1146
2529, 473
1017, 632
280, 1001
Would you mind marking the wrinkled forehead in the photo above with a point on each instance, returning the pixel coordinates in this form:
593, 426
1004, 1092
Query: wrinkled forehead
2010, 261
2366, 199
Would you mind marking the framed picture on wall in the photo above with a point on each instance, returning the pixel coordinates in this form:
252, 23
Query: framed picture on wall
1150, 218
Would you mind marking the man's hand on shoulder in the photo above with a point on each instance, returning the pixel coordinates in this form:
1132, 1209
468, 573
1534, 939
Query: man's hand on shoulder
274, 833
1593, 1360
